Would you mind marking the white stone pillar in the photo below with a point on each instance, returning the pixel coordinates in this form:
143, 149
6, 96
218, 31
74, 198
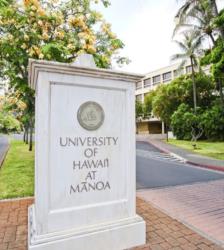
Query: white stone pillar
85, 173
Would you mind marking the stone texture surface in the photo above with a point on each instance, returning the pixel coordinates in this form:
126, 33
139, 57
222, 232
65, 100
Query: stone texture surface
68, 193
163, 232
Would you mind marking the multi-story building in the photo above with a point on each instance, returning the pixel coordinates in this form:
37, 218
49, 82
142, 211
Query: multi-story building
151, 81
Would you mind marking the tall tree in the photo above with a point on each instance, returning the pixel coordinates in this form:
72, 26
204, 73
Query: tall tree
212, 9
190, 48
57, 30
199, 17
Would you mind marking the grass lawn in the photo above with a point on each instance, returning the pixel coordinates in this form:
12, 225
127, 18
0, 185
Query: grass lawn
17, 172
211, 149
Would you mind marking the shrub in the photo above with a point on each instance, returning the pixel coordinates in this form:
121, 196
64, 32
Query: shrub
182, 122
9, 124
213, 123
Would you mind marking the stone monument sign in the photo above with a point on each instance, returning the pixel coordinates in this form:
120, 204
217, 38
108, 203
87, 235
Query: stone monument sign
84, 159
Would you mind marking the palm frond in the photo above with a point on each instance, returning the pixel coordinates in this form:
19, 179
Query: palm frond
181, 45
178, 57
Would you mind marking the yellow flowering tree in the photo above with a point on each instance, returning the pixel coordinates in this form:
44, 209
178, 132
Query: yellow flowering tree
56, 30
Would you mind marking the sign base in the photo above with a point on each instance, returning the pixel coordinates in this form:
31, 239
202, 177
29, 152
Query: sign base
116, 235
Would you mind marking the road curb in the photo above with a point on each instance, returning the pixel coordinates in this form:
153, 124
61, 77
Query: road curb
4, 155
216, 168
211, 167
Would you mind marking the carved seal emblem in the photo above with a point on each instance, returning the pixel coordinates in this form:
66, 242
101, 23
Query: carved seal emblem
90, 115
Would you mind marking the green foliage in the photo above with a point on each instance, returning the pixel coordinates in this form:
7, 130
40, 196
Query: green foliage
182, 122
51, 30
148, 101
201, 18
9, 124
165, 102
167, 98
204, 18
213, 123
139, 109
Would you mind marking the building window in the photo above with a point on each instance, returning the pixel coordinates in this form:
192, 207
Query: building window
167, 77
139, 98
147, 83
156, 79
138, 85
178, 72
188, 69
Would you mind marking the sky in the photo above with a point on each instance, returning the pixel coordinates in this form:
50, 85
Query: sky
145, 27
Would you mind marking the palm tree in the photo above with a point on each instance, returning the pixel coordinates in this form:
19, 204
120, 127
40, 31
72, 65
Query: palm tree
199, 17
211, 7
190, 49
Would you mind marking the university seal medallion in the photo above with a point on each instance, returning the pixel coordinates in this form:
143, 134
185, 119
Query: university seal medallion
90, 115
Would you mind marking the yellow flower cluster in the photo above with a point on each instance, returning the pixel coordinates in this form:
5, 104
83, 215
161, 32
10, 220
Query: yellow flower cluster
89, 48
59, 34
78, 22
35, 51
14, 101
21, 105
35, 7
45, 36
32, 3
23, 46
88, 39
88, 36
10, 37
26, 37
59, 18
98, 16
106, 28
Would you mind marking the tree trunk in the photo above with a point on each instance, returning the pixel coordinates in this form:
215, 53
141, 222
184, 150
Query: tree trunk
221, 93
212, 38
27, 136
194, 87
31, 138
24, 135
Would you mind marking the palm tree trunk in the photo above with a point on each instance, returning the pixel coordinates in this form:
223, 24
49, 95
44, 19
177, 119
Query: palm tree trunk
194, 86
212, 38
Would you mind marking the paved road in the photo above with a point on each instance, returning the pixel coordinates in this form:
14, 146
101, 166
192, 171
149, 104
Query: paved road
4, 144
155, 169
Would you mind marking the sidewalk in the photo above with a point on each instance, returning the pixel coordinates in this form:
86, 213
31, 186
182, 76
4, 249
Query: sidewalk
199, 206
163, 232
190, 157
4, 146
